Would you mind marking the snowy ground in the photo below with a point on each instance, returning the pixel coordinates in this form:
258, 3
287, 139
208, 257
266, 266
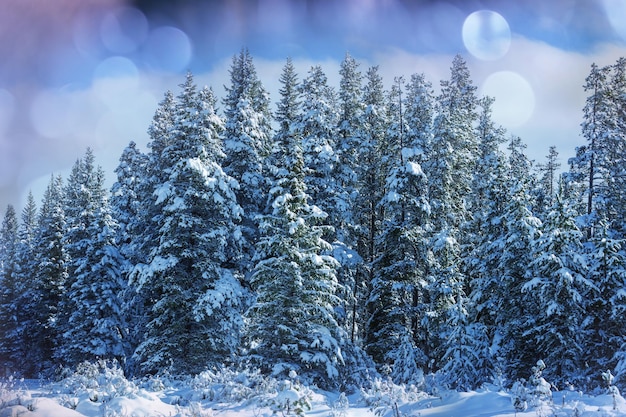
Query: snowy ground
106, 393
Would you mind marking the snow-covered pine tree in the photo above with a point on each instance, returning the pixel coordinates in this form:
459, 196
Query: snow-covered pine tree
292, 324
351, 108
139, 175
51, 274
558, 285
318, 123
487, 204
350, 115
95, 327
192, 297
589, 167
247, 135
10, 289
400, 270
605, 339
373, 125
511, 251
547, 183
26, 300
450, 162
126, 198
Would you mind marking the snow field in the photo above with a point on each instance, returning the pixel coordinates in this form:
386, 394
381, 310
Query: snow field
228, 394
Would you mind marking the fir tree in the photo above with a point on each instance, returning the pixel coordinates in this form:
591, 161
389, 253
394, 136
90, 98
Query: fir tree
95, 324
558, 284
192, 298
51, 274
292, 325
10, 290
247, 135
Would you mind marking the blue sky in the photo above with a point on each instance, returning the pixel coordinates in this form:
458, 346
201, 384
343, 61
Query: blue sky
78, 73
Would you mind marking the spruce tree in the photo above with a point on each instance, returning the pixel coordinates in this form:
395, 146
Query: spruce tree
247, 136
51, 275
96, 328
26, 302
191, 296
292, 324
558, 284
10, 290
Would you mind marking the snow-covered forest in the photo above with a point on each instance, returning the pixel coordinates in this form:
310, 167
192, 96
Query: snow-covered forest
342, 234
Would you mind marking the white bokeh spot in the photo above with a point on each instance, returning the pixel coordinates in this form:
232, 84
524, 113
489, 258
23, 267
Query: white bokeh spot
168, 49
515, 98
486, 35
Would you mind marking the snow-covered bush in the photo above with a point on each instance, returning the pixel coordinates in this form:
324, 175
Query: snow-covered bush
229, 385
13, 393
99, 381
292, 398
384, 395
535, 392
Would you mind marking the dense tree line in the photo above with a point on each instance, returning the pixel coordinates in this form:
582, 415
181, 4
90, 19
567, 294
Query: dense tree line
350, 233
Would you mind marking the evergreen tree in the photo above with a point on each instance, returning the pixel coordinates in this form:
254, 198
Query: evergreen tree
247, 136
605, 337
51, 275
138, 177
95, 323
351, 107
318, 123
26, 300
397, 290
487, 205
292, 325
192, 297
547, 182
512, 255
558, 285
450, 162
10, 290
351, 275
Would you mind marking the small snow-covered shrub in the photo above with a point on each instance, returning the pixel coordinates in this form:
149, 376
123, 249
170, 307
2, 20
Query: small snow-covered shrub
292, 398
536, 392
384, 395
100, 381
340, 406
229, 385
13, 392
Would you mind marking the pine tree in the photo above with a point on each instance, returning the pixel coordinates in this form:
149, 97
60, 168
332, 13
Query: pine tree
292, 324
397, 289
351, 274
487, 205
10, 290
26, 301
247, 135
605, 337
350, 116
520, 228
192, 297
450, 162
547, 182
51, 275
138, 177
96, 328
317, 122
558, 283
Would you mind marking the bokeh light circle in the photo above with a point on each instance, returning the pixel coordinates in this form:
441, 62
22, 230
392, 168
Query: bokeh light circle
123, 30
168, 49
486, 35
116, 67
515, 98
